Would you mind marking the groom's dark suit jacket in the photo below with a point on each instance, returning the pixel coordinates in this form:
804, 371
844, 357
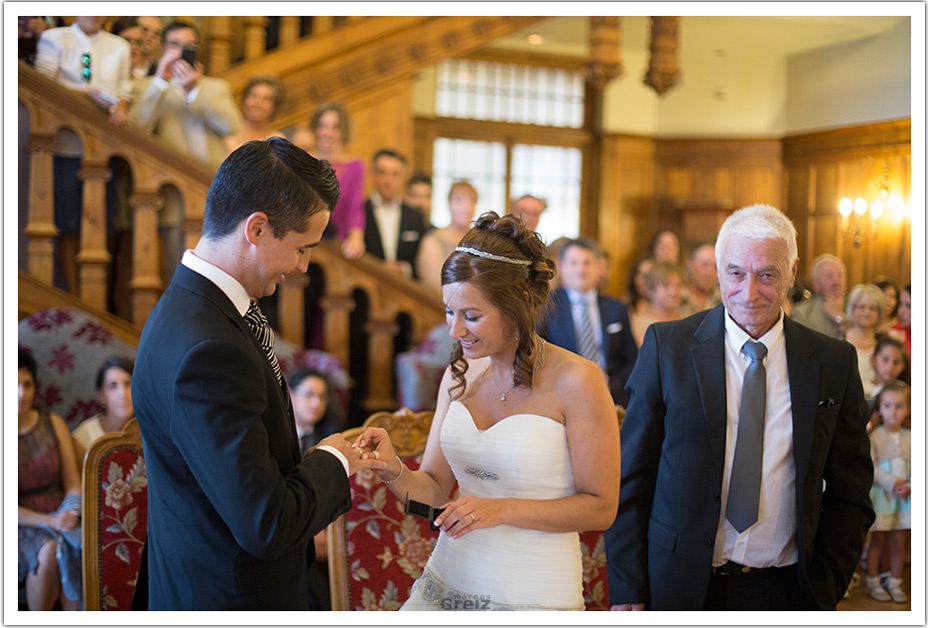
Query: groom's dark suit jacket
659, 550
232, 509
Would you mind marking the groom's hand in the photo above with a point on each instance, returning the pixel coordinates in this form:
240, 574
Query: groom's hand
353, 454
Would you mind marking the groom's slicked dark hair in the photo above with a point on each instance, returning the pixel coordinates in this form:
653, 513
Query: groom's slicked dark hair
272, 176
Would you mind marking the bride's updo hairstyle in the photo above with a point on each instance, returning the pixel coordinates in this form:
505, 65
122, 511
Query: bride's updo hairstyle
510, 265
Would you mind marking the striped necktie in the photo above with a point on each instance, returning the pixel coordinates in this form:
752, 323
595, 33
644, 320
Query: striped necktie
258, 323
586, 339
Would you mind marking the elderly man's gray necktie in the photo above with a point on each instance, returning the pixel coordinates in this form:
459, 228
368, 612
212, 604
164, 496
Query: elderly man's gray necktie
587, 344
744, 487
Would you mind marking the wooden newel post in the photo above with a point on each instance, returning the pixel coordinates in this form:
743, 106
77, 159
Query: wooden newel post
40, 228
94, 258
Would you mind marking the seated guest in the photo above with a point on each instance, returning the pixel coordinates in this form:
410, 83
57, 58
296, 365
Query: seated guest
891, 292
636, 292
865, 307
419, 193
393, 230
438, 244
315, 416
49, 503
903, 329
664, 286
261, 100
702, 287
114, 391
529, 209
824, 311
594, 326
331, 127
665, 246
88, 60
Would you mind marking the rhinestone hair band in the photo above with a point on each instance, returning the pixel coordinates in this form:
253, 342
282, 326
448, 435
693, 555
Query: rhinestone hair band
498, 258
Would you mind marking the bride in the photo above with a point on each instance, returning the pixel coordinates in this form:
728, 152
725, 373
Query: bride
527, 429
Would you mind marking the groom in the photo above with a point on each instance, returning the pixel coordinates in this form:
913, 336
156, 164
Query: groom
232, 506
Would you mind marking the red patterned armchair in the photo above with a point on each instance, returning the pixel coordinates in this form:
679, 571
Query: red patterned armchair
376, 551
115, 502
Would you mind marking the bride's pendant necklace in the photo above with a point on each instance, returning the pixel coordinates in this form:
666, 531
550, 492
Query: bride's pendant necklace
503, 393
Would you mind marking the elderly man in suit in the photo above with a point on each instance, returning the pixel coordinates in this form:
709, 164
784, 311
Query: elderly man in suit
587, 323
745, 460
232, 505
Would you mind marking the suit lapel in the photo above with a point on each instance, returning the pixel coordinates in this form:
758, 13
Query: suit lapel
565, 318
803, 369
708, 348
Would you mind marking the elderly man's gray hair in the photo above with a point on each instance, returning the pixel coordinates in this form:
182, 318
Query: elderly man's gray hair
825, 258
758, 222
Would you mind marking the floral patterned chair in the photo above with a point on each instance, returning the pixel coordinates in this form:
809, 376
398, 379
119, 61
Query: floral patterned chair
376, 551
115, 503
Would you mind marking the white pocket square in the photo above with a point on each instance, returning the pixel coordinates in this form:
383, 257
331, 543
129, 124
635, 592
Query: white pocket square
409, 236
613, 328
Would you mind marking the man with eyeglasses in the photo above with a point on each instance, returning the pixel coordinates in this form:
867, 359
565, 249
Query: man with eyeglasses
86, 59
191, 112
152, 30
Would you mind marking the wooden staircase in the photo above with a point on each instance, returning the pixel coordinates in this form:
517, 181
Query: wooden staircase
363, 56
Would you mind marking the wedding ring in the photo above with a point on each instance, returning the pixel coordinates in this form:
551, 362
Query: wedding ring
472, 518
376, 454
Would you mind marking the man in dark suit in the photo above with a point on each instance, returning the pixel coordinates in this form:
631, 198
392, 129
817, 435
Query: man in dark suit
232, 507
393, 229
591, 325
745, 460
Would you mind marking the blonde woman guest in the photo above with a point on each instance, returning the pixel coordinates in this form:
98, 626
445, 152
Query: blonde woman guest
437, 245
664, 291
865, 307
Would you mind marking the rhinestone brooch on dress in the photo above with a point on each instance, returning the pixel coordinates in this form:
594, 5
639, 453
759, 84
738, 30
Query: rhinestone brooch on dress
481, 473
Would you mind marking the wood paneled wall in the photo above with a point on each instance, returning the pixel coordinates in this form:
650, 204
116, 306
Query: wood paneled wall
691, 186
821, 168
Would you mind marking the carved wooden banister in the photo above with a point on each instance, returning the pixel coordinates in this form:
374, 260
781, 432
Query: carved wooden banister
365, 54
389, 295
52, 107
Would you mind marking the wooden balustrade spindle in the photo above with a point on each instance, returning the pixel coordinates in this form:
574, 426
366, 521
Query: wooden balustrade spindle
41, 228
94, 258
146, 284
322, 24
337, 308
380, 364
220, 43
255, 36
291, 308
289, 29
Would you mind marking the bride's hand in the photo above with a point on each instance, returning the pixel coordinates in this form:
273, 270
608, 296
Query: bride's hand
468, 514
374, 442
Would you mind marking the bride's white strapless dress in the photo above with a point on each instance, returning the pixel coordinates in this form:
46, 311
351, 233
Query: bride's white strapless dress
523, 456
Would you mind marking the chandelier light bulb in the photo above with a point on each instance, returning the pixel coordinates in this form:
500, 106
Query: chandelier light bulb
877, 209
845, 206
860, 206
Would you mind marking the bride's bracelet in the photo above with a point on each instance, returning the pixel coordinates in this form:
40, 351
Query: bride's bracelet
399, 475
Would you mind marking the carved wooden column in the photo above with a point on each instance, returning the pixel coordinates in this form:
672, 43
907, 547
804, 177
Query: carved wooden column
322, 24
605, 44
289, 30
94, 258
291, 309
255, 36
337, 307
220, 43
146, 282
41, 228
664, 66
380, 364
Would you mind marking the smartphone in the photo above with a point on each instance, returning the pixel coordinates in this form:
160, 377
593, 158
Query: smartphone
190, 56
